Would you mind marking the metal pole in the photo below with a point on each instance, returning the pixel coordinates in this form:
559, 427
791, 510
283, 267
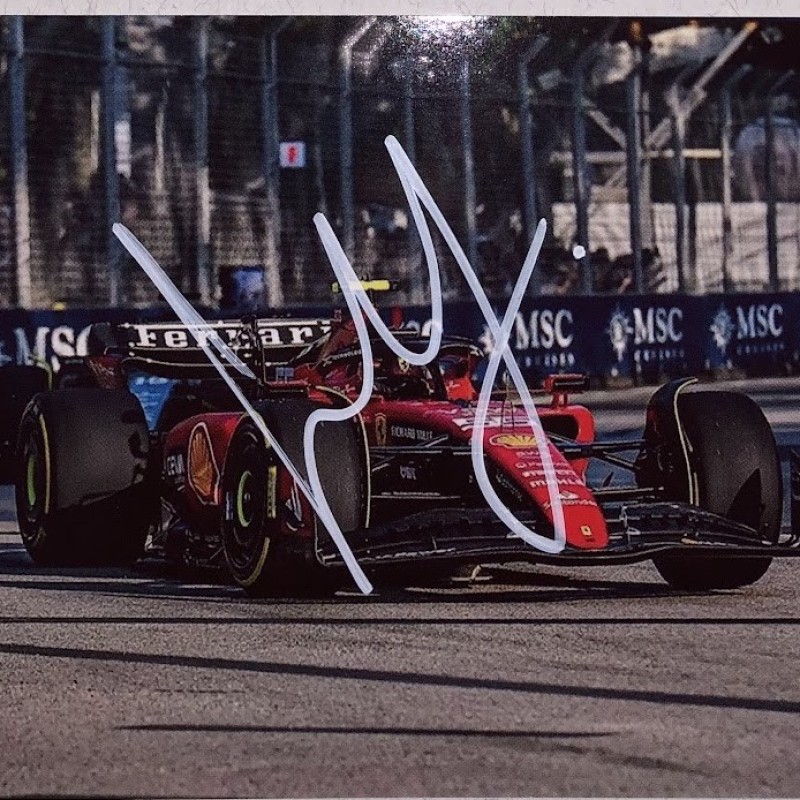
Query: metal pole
769, 180
470, 199
271, 167
417, 283
633, 139
205, 269
646, 182
526, 133
580, 166
679, 181
346, 133
159, 155
108, 109
409, 141
727, 194
725, 147
19, 161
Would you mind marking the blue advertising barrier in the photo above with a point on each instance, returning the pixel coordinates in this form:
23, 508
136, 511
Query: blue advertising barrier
605, 337
641, 338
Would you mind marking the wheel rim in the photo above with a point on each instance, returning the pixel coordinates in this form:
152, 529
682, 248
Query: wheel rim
31, 476
244, 500
244, 538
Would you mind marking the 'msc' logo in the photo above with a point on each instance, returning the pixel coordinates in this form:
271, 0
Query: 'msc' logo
753, 324
654, 333
543, 338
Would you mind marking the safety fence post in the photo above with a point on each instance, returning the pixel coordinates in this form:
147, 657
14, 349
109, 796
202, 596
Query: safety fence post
529, 188
769, 180
417, 284
346, 132
470, 197
633, 139
580, 165
206, 282
271, 164
726, 96
108, 106
678, 122
19, 161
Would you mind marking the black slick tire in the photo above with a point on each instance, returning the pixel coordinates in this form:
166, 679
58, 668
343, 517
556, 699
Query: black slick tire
18, 384
261, 554
735, 460
83, 490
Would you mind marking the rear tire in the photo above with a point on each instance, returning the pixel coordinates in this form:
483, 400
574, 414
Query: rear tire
83, 492
261, 553
735, 458
18, 384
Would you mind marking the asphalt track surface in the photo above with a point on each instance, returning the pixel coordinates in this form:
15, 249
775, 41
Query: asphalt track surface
536, 682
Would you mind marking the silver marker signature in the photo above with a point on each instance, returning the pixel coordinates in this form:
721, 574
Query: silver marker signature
356, 298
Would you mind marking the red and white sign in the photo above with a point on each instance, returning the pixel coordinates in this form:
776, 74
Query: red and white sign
293, 155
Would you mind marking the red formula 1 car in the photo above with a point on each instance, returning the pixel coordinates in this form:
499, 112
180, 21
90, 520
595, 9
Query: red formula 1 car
156, 447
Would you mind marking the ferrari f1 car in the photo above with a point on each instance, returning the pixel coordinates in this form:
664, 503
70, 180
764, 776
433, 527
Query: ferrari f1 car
155, 451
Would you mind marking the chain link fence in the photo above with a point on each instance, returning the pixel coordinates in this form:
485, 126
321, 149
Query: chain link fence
7, 266
199, 107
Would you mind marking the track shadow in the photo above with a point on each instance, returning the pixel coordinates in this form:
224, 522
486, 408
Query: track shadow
399, 677
469, 733
395, 621
151, 578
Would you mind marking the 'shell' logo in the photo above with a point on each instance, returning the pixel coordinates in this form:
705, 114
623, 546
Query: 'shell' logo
514, 440
203, 471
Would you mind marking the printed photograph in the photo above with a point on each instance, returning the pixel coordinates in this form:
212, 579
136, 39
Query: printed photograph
399, 406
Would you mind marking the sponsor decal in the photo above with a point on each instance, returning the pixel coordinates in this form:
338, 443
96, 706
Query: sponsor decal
515, 441
586, 532
380, 430
619, 330
541, 338
722, 329
541, 483
466, 421
755, 329
655, 333
175, 468
579, 502
4, 358
203, 472
415, 434
62, 341
177, 337
408, 473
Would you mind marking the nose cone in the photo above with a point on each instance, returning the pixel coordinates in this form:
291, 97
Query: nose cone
518, 455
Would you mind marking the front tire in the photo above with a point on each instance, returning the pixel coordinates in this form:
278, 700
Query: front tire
735, 460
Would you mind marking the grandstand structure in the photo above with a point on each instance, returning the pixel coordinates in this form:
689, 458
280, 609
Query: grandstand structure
669, 149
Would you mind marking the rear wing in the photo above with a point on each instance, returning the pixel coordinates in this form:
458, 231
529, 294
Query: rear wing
171, 348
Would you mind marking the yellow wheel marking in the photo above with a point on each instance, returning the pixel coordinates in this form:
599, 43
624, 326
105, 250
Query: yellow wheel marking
46, 466
254, 575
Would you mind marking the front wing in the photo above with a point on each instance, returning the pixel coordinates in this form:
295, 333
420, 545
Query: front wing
638, 531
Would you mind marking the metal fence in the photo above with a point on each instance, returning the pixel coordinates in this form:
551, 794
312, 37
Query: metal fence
673, 178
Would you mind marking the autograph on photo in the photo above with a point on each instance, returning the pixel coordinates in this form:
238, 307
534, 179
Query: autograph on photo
357, 302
